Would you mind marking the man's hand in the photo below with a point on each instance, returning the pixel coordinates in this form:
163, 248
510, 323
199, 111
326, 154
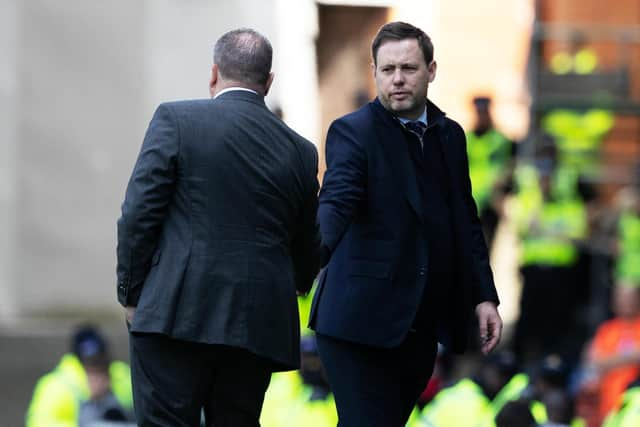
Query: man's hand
129, 312
490, 326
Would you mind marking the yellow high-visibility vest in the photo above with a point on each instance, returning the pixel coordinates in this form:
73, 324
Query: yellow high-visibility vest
463, 404
629, 413
628, 262
585, 61
579, 135
549, 237
511, 391
58, 394
488, 158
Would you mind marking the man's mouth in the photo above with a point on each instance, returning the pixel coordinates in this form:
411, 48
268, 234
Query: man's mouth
399, 94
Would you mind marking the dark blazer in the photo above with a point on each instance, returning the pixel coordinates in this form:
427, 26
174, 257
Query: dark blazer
372, 224
218, 227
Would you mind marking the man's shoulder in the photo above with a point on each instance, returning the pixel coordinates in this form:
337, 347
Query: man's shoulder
360, 116
453, 126
307, 147
359, 124
183, 109
187, 104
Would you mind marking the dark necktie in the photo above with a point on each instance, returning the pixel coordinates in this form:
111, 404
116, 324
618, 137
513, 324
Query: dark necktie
418, 128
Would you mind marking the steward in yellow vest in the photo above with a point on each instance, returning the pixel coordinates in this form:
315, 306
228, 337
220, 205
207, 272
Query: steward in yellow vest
84, 381
475, 401
550, 224
300, 398
629, 413
579, 134
490, 154
627, 267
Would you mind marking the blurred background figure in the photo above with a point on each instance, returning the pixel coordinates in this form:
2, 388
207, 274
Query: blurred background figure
551, 221
559, 408
490, 159
577, 133
614, 354
87, 387
441, 377
475, 400
515, 414
317, 407
300, 398
627, 245
629, 413
549, 377
575, 58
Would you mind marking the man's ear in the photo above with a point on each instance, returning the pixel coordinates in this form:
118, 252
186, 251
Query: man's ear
267, 86
432, 71
214, 79
373, 69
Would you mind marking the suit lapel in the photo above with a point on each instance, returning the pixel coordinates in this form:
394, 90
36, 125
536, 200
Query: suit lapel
392, 140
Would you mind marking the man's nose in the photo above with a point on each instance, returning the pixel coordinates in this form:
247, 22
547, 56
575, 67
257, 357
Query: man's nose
398, 78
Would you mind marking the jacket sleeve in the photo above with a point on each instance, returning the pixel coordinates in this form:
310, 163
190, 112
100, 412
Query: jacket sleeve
344, 183
305, 246
483, 286
148, 194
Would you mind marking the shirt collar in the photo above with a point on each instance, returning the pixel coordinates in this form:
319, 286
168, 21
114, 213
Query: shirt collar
229, 89
422, 118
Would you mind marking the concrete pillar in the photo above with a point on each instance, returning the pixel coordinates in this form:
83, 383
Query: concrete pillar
295, 66
82, 82
9, 104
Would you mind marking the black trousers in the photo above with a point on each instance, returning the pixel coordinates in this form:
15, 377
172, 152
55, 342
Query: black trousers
377, 387
174, 381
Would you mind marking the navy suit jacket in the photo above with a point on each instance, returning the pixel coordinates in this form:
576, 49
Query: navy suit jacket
371, 221
218, 227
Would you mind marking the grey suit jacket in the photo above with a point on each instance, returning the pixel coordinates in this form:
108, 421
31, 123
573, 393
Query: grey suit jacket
218, 227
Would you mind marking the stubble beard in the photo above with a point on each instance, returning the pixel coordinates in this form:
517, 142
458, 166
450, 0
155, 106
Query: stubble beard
403, 108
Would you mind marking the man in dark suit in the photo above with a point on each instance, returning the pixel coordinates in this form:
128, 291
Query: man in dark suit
218, 231
408, 262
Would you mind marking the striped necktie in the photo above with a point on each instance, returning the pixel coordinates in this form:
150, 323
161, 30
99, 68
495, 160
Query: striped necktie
418, 128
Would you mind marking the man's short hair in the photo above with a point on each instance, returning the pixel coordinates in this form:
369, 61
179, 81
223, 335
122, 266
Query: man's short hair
243, 55
401, 31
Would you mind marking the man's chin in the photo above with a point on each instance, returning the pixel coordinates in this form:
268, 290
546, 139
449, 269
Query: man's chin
402, 109
397, 107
